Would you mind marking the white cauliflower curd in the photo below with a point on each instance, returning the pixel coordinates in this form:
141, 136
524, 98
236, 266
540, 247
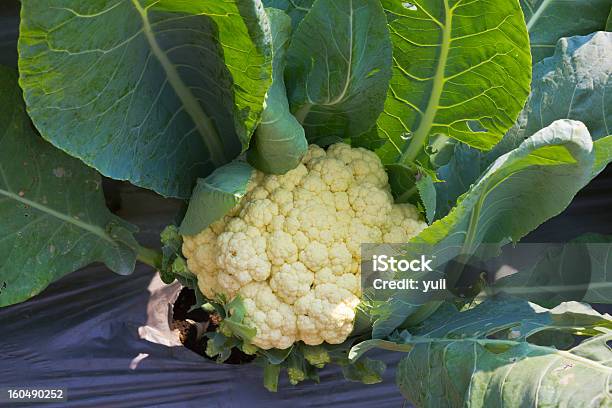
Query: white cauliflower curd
291, 247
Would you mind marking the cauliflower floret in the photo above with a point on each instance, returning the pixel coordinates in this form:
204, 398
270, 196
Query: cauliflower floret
403, 223
347, 281
316, 221
339, 257
281, 248
293, 177
326, 314
333, 172
371, 204
283, 199
291, 247
291, 281
274, 320
342, 204
243, 258
313, 152
364, 164
201, 251
258, 193
259, 213
359, 233
314, 256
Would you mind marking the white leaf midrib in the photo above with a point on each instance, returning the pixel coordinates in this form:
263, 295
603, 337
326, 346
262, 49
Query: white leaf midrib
536, 16
349, 69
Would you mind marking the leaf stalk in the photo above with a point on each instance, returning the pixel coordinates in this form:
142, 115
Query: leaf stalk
149, 257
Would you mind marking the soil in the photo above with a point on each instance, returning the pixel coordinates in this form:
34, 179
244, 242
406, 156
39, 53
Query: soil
184, 321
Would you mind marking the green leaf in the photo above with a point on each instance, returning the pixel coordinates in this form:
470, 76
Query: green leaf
603, 154
579, 270
458, 175
366, 371
415, 185
513, 319
572, 84
271, 374
402, 179
173, 265
440, 150
220, 346
215, 196
318, 356
276, 356
498, 318
338, 68
552, 338
280, 142
54, 219
233, 324
296, 9
156, 93
549, 20
455, 73
172, 241
483, 358
232, 333
299, 370
566, 85
358, 350
556, 163
427, 192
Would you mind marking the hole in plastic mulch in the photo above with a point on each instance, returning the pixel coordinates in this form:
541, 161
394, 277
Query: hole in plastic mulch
184, 321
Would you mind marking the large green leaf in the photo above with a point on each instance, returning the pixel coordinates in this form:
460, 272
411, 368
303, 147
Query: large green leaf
603, 154
518, 192
572, 84
500, 313
567, 85
154, 92
215, 195
338, 68
580, 270
54, 218
461, 69
485, 357
549, 20
280, 142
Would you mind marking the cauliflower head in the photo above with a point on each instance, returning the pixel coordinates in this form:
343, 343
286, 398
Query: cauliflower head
291, 247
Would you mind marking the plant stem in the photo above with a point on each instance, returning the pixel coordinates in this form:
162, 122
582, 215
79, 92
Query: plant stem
150, 257
419, 138
406, 195
301, 113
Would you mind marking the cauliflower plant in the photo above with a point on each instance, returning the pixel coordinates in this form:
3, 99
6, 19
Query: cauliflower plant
291, 247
